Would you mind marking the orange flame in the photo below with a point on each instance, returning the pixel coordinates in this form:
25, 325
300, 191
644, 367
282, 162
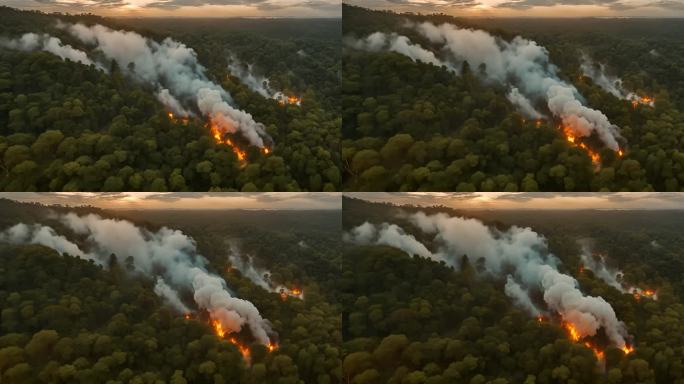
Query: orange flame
187, 316
218, 328
266, 151
627, 349
272, 347
220, 139
597, 351
572, 331
244, 350
572, 139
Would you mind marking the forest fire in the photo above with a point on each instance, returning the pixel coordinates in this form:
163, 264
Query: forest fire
641, 100
290, 292
183, 119
639, 293
220, 138
243, 348
287, 100
572, 139
576, 337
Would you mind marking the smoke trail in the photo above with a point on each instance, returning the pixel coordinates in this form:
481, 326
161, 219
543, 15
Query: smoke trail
171, 66
523, 103
520, 64
258, 84
46, 236
520, 296
522, 256
164, 290
388, 234
45, 42
610, 84
608, 276
260, 277
168, 254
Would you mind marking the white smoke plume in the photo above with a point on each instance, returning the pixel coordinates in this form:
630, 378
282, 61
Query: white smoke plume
610, 276
523, 103
379, 41
170, 295
520, 296
172, 66
45, 42
598, 266
258, 276
258, 84
46, 236
165, 97
611, 84
388, 234
519, 64
168, 254
522, 256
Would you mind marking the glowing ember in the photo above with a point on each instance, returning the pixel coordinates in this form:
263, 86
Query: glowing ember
187, 316
620, 153
170, 115
266, 151
540, 319
272, 347
581, 268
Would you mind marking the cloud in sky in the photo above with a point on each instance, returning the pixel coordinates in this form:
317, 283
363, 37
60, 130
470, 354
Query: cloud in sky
537, 200
185, 200
533, 8
190, 8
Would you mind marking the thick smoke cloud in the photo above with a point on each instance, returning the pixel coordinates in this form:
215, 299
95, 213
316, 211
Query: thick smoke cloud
519, 254
45, 42
167, 254
519, 64
174, 70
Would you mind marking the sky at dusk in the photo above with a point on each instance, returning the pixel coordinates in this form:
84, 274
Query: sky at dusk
533, 8
539, 200
190, 200
187, 8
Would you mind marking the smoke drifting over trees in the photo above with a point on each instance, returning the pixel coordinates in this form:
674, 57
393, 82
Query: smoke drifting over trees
518, 254
168, 254
520, 64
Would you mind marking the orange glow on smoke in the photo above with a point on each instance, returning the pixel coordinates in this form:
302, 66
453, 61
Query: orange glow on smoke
220, 138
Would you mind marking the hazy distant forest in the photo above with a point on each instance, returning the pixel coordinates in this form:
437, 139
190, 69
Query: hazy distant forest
414, 126
65, 126
67, 320
413, 320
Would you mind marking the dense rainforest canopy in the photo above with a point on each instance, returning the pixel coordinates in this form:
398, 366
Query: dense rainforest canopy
413, 320
414, 126
65, 126
68, 320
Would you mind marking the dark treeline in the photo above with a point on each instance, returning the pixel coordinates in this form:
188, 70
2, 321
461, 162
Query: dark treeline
412, 126
67, 320
68, 127
412, 320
